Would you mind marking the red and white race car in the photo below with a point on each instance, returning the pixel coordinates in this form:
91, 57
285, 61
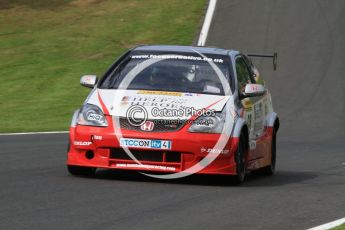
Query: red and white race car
178, 110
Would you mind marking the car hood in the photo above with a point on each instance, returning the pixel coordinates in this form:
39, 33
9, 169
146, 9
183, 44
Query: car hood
122, 103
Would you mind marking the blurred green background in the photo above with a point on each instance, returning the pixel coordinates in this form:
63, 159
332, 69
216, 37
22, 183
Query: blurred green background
46, 45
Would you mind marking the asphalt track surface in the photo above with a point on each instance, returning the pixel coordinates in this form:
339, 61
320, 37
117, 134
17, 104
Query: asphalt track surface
308, 92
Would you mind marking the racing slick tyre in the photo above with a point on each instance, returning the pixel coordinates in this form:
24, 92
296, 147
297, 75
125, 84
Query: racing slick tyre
81, 171
240, 162
270, 170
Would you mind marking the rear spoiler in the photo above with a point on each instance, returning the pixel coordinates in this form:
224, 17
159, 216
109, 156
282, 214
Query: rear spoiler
274, 56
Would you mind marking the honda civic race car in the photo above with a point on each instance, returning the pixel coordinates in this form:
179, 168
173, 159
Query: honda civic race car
172, 111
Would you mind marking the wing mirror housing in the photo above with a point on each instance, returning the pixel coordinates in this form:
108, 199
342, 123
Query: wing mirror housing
254, 90
88, 81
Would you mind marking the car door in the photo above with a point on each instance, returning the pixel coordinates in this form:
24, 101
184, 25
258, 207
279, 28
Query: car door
260, 103
243, 78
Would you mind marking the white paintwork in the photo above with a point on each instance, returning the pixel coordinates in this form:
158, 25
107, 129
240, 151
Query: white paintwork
254, 89
88, 80
126, 99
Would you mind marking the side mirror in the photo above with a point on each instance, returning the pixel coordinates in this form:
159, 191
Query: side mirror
88, 81
254, 90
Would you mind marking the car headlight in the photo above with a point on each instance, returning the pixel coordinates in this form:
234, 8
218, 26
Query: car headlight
91, 115
208, 124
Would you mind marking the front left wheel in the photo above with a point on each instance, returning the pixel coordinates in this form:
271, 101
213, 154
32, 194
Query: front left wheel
240, 161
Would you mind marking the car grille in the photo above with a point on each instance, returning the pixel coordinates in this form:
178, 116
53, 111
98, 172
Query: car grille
147, 155
159, 126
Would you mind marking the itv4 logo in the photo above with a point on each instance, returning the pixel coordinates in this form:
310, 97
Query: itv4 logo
157, 144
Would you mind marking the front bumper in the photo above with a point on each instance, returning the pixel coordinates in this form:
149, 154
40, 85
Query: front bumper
98, 147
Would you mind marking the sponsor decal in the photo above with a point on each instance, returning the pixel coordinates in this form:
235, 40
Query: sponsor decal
249, 119
178, 57
165, 101
252, 145
143, 166
214, 151
94, 117
82, 143
147, 126
95, 137
247, 104
165, 93
145, 143
254, 88
125, 100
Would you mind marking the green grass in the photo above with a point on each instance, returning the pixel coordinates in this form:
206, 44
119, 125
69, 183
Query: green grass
341, 227
46, 46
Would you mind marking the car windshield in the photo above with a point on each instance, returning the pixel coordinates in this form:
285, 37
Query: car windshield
185, 72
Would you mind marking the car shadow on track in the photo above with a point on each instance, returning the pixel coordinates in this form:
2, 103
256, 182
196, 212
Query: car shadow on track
280, 178
252, 180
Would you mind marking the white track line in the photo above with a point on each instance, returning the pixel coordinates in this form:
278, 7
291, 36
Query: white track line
329, 225
201, 42
207, 22
31, 133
